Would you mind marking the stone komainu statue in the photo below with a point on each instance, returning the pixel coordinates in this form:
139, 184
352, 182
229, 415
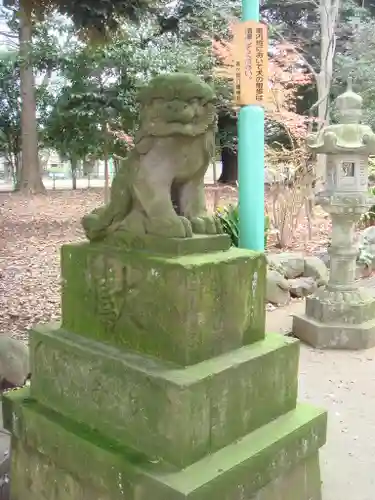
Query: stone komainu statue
159, 188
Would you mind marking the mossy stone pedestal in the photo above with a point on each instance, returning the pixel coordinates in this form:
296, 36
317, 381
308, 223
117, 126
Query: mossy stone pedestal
160, 383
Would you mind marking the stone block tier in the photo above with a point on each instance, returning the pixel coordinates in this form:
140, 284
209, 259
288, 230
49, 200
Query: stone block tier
161, 384
183, 309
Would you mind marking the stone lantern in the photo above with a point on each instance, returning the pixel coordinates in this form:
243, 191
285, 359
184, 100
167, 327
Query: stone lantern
342, 314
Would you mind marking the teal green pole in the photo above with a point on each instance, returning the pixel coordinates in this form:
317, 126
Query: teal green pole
251, 162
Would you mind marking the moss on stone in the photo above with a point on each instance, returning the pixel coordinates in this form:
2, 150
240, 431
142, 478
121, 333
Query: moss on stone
50, 450
184, 309
152, 405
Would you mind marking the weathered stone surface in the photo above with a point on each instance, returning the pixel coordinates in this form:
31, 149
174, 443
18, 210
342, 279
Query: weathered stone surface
57, 459
334, 335
149, 405
277, 289
341, 306
315, 268
302, 287
301, 483
199, 243
14, 361
183, 309
324, 257
289, 264
338, 319
172, 151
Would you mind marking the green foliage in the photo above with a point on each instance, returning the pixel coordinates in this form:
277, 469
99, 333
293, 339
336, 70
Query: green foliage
371, 169
10, 107
230, 222
357, 60
365, 257
47, 51
229, 219
173, 37
100, 87
96, 17
368, 219
96, 93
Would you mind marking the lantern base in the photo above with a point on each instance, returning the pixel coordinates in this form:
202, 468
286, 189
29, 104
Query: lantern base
338, 319
335, 334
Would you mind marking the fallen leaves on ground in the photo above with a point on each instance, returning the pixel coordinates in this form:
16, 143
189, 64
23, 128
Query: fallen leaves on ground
32, 231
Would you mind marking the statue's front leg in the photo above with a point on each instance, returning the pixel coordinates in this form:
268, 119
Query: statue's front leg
193, 207
152, 190
96, 224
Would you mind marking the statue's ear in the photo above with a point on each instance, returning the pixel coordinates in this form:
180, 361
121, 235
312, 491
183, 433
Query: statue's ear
144, 145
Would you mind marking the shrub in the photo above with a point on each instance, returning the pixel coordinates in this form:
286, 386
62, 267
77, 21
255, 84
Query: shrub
230, 222
368, 219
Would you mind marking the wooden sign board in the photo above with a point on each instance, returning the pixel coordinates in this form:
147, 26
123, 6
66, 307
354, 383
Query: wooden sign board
250, 47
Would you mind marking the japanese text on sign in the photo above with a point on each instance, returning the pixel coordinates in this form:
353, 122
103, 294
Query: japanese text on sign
251, 63
238, 81
259, 63
249, 47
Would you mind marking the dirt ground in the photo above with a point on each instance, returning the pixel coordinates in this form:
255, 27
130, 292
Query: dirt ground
31, 233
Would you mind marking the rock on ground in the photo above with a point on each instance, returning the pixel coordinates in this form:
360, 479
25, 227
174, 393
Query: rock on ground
290, 264
293, 275
14, 361
302, 286
277, 290
5, 478
316, 269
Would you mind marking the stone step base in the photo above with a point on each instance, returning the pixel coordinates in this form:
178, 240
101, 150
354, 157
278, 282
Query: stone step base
54, 458
151, 405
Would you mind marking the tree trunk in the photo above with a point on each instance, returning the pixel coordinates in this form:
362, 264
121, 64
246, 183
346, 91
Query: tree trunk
227, 129
229, 173
106, 174
30, 178
116, 164
329, 11
13, 171
73, 168
17, 171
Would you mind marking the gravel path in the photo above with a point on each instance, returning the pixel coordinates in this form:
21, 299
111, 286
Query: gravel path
344, 384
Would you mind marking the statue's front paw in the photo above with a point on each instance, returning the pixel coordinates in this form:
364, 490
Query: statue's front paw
170, 227
92, 226
206, 224
187, 226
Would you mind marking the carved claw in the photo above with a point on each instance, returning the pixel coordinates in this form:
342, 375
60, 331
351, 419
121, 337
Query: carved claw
206, 224
187, 226
173, 227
